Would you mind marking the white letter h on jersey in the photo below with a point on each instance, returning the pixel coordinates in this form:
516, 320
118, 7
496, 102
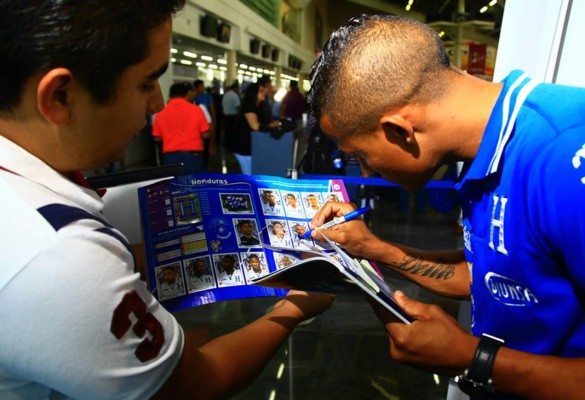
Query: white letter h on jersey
498, 223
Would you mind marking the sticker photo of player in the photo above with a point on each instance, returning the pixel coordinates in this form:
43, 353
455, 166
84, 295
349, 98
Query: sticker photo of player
169, 280
228, 270
199, 274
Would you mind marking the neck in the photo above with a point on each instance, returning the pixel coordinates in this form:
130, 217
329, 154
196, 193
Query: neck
456, 126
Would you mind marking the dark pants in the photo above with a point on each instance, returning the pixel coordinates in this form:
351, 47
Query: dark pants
193, 162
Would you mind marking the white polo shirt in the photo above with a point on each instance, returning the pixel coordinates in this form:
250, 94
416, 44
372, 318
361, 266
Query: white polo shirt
76, 318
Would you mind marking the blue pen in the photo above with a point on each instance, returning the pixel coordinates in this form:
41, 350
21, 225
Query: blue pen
336, 221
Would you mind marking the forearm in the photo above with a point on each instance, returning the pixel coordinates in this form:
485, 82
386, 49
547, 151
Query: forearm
240, 356
227, 364
442, 272
538, 377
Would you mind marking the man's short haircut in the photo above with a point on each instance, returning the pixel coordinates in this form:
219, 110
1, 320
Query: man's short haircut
253, 256
373, 64
197, 83
95, 40
180, 89
294, 84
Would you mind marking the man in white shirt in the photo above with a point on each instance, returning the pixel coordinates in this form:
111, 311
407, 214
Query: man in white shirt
60, 114
256, 268
293, 206
199, 276
271, 202
229, 275
172, 283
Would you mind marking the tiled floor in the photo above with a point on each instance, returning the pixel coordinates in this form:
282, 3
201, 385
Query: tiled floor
342, 354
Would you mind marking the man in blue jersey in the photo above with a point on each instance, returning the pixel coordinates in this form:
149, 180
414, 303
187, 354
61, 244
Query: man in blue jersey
385, 91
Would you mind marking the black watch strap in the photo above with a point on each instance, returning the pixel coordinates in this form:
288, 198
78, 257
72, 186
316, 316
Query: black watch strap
477, 380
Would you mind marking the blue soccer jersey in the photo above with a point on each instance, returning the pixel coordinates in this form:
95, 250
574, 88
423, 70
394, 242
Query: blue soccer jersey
523, 203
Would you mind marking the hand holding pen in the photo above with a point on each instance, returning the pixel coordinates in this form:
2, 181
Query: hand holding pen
339, 220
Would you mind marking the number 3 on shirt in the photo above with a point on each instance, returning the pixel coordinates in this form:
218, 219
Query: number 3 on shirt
121, 323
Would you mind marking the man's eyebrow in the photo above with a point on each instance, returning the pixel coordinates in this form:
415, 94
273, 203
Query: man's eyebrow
158, 73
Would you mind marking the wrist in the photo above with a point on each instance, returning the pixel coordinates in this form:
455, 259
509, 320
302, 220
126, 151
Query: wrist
477, 380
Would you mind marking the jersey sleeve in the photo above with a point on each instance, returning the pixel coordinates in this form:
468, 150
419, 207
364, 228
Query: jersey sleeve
558, 181
86, 324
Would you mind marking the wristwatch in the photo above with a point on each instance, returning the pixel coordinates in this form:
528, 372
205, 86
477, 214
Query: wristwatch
477, 380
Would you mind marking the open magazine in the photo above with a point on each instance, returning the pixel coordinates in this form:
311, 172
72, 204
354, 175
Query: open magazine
213, 237
204, 234
334, 272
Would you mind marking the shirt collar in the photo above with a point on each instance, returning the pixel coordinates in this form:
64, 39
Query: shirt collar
500, 127
20, 162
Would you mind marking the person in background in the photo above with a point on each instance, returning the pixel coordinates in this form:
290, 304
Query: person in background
294, 104
230, 104
181, 127
266, 105
205, 99
64, 109
521, 191
250, 119
215, 91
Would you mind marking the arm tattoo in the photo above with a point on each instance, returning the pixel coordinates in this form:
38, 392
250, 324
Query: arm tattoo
417, 266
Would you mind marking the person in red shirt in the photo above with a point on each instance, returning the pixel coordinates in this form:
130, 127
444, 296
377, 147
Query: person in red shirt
182, 126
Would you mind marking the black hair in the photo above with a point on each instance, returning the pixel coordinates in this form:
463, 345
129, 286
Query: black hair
372, 64
250, 98
243, 222
180, 89
95, 39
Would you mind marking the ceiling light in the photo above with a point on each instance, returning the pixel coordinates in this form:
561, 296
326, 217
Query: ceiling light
189, 54
186, 62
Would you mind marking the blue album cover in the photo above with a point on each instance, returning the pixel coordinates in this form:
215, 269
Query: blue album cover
204, 233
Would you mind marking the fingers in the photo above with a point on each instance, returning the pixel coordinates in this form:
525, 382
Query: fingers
329, 211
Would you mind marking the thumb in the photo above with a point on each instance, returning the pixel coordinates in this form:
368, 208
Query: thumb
411, 306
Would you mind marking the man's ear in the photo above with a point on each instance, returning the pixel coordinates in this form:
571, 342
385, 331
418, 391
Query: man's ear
53, 95
398, 128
